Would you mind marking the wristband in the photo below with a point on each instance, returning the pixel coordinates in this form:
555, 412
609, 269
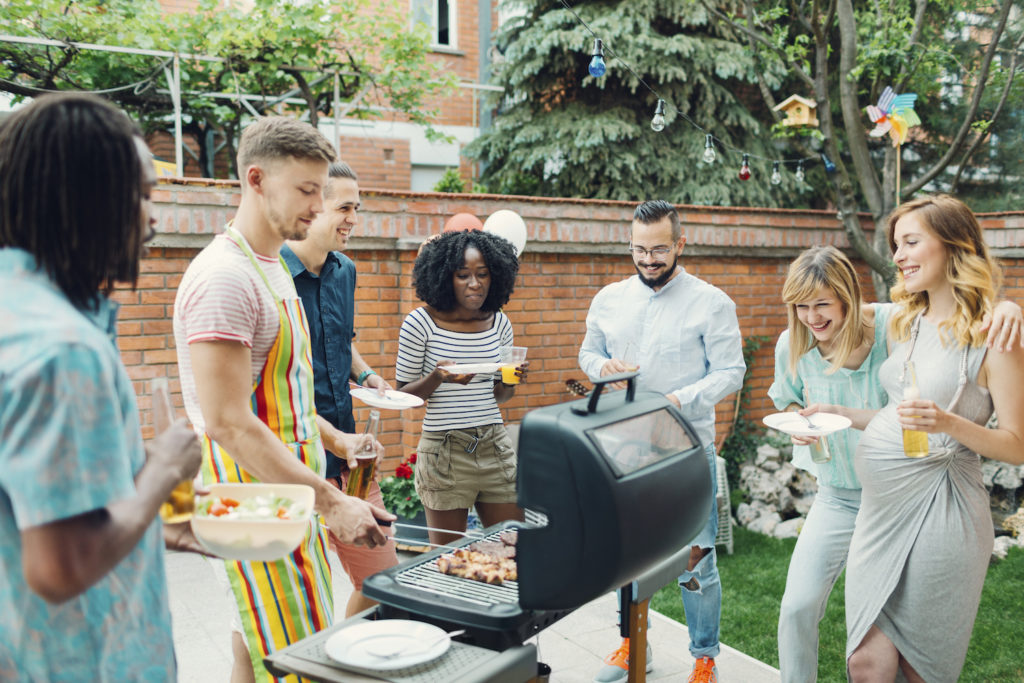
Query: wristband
363, 375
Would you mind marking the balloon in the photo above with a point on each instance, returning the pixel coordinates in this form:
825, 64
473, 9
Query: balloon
462, 221
510, 225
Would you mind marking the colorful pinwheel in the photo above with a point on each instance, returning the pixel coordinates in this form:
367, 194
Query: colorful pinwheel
893, 115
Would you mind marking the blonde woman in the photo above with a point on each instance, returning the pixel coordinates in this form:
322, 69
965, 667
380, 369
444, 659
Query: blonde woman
924, 535
830, 355
829, 358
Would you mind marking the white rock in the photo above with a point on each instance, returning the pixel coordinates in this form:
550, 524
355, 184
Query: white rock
745, 514
766, 452
789, 529
785, 473
765, 524
785, 504
1002, 544
1008, 476
989, 469
802, 504
770, 465
803, 483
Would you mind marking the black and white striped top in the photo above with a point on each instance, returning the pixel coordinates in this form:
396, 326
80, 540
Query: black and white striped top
422, 344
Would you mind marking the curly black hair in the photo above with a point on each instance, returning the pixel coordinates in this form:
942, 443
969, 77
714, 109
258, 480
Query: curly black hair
437, 263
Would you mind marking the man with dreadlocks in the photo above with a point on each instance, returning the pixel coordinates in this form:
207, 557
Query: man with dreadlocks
465, 457
83, 595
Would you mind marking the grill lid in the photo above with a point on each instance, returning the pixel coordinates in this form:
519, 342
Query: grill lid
625, 484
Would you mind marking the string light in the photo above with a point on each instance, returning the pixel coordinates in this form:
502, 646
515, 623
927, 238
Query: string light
709, 150
745, 168
830, 167
597, 66
658, 121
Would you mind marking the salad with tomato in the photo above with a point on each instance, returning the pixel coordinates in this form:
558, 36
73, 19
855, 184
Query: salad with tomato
257, 507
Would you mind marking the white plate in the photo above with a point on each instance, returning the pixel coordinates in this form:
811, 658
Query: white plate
471, 368
348, 646
392, 400
794, 425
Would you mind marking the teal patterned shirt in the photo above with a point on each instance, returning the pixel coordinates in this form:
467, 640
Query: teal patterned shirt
70, 444
860, 388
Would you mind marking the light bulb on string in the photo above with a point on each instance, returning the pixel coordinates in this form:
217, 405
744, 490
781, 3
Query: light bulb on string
799, 175
776, 175
709, 150
658, 120
830, 166
745, 168
597, 66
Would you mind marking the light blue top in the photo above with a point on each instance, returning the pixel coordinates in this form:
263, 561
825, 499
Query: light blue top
685, 339
69, 444
860, 388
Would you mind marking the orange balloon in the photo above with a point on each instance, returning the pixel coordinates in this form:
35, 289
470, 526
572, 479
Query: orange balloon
463, 221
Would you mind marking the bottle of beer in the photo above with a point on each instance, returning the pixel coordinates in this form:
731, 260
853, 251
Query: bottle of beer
915, 442
360, 477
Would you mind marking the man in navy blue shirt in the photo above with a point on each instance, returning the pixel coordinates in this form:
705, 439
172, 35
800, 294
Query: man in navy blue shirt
325, 280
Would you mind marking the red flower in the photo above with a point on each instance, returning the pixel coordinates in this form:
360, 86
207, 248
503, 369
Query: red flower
403, 471
412, 459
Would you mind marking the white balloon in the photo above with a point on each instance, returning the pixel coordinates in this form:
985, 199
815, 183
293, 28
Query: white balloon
510, 225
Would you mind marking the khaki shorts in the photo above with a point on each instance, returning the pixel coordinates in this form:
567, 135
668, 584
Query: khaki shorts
460, 467
359, 561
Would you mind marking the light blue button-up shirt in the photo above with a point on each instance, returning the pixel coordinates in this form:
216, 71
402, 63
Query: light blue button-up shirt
70, 444
685, 338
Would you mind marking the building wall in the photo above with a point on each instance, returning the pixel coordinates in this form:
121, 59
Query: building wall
575, 247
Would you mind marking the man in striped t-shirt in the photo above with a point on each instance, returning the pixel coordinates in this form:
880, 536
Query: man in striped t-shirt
247, 380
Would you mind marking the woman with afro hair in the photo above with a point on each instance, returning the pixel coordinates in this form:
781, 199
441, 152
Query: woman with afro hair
465, 457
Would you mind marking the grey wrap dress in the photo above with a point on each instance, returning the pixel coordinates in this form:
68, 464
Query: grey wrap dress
923, 536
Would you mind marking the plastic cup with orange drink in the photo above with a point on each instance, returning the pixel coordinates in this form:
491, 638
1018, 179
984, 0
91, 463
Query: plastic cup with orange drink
511, 358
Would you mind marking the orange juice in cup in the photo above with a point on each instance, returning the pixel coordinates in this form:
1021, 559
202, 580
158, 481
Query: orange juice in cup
511, 358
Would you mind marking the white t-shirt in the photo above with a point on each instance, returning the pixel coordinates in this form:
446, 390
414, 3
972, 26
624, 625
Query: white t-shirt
223, 297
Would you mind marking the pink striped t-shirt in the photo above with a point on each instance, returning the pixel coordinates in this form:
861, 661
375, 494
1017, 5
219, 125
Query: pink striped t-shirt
222, 297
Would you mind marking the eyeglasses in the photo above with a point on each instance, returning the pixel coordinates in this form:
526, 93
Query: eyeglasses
657, 252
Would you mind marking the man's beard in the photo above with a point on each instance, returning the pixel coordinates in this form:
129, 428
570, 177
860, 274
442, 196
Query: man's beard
293, 231
665, 276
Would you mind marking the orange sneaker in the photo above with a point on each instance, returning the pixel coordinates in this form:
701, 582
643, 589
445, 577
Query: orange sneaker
704, 671
616, 665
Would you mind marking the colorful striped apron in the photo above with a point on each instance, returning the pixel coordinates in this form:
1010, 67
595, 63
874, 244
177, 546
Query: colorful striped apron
284, 601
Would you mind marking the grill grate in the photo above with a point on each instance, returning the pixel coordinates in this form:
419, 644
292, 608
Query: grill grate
426, 577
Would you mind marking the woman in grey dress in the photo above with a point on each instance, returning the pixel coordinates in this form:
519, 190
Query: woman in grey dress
924, 535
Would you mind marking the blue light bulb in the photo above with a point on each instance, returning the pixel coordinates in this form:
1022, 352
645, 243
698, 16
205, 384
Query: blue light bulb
597, 66
830, 166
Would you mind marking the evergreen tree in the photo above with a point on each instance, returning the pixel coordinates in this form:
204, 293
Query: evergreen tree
561, 132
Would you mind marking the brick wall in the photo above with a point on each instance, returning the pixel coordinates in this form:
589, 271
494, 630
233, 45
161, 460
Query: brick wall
575, 247
379, 162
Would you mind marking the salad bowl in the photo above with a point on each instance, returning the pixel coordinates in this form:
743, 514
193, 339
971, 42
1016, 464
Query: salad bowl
254, 522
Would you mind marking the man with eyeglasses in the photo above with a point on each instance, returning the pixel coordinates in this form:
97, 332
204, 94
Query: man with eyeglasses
682, 335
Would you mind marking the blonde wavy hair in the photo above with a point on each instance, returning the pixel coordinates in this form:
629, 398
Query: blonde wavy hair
971, 271
815, 268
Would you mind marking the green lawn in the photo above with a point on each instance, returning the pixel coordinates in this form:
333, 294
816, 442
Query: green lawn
753, 579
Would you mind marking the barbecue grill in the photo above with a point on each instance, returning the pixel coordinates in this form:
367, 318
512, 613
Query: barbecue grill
625, 485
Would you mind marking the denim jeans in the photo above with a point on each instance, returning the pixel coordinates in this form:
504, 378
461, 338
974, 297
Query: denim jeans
703, 606
818, 559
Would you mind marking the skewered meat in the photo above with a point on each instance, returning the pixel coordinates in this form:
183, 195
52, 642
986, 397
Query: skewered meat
486, 561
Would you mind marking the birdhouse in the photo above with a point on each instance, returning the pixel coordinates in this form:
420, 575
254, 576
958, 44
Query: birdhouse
799, 111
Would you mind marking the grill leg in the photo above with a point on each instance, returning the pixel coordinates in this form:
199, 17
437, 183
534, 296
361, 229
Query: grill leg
638, 641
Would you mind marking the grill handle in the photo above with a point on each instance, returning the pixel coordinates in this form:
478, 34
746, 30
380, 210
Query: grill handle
629, 377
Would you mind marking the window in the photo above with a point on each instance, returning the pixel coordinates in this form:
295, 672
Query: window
439, 15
